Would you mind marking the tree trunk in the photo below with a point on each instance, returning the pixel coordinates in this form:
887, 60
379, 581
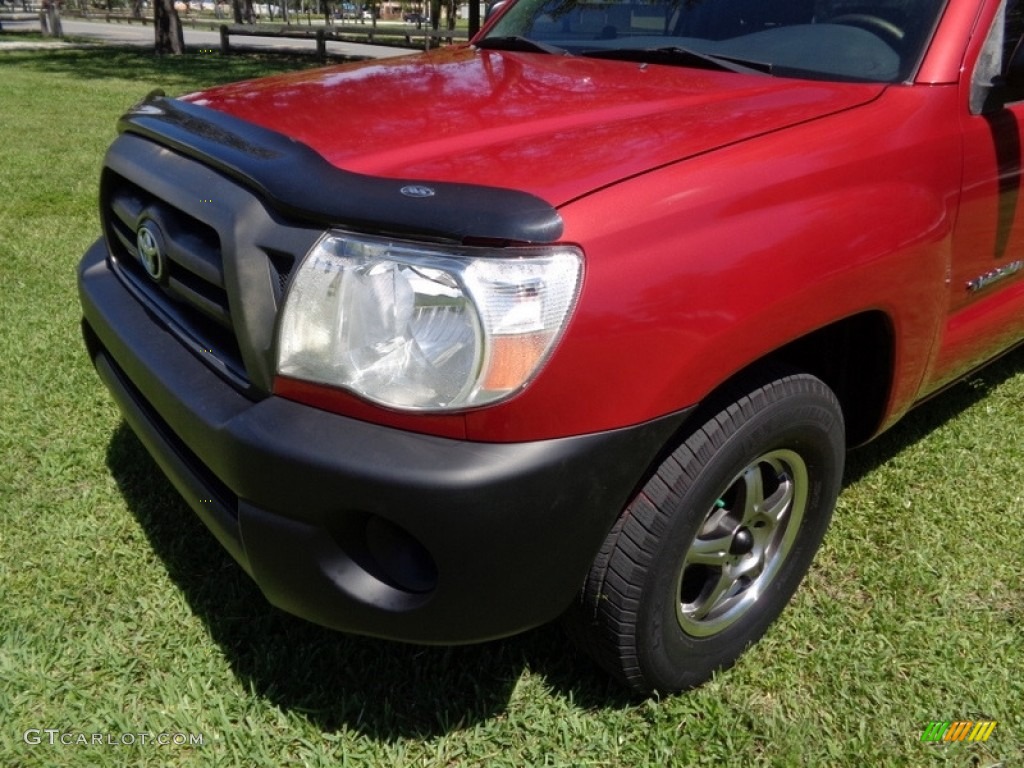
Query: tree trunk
167, 27
236, 7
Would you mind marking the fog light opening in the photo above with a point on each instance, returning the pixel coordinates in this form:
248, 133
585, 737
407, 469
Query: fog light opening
402, 561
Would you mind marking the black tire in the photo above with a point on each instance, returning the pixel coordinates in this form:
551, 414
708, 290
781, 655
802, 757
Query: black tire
695, 569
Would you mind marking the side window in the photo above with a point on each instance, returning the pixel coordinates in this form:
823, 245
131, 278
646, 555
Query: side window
1014, 30
992, 79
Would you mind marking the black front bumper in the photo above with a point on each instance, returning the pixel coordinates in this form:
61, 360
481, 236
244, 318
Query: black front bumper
357, 526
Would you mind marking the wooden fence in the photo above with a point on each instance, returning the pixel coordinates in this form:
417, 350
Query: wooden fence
406, 36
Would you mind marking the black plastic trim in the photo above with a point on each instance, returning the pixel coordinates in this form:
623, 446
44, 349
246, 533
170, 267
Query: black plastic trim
294, 492
215, 506
300, 183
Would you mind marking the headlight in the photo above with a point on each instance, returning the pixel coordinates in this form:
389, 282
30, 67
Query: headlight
425, 327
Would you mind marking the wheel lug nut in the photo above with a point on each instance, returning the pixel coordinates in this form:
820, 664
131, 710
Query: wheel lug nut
742, 542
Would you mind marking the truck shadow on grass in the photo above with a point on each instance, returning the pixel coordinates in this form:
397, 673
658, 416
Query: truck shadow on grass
932, 414
387, 690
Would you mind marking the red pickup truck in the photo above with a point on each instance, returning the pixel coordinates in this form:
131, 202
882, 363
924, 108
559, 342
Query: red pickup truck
578, 319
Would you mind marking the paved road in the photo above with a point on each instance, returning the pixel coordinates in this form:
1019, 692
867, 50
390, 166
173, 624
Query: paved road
140, 34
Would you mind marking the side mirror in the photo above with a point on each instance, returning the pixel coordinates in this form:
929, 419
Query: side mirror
493, 8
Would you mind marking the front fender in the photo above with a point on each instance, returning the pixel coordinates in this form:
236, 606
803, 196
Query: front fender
699, 269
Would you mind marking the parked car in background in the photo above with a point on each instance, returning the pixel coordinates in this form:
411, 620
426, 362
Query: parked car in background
578, 320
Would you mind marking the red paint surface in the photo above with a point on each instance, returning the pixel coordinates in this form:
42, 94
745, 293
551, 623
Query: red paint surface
722, 216
555, 126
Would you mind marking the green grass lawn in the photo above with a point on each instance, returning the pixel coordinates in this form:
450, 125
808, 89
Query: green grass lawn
119, 614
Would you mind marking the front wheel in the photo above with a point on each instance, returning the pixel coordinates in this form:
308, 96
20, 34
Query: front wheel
709, 552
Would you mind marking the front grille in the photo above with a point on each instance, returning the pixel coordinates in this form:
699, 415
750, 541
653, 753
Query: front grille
191, 293
195, 275
225, 256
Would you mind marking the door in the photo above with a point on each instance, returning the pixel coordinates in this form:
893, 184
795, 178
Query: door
987, 270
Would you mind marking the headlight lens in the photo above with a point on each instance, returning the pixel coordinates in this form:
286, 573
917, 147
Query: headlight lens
423, 327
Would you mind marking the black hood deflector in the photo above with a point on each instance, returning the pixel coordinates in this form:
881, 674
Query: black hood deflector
299, 183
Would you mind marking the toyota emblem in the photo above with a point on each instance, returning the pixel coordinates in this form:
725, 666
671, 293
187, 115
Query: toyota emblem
417, 190
149, 242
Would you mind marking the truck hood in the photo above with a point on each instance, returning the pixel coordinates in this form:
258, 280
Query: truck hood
555, 126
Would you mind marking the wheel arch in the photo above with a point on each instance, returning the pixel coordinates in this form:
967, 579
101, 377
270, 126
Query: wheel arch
854, 357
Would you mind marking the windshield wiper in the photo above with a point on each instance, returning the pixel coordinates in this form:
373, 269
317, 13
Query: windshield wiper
675, 54
519, 43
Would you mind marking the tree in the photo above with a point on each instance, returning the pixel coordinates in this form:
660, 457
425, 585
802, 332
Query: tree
244, 11
167, 27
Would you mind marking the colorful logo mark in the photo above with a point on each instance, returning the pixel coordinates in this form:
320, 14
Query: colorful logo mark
961, 730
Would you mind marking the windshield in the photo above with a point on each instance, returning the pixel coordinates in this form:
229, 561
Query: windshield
879, 41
